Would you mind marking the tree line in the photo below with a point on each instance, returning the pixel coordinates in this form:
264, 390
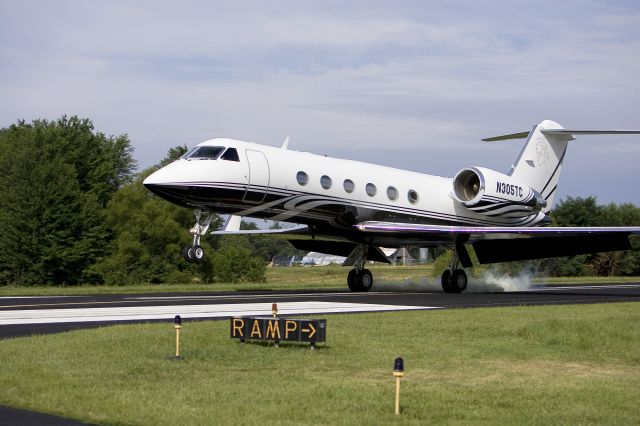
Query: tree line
74, 211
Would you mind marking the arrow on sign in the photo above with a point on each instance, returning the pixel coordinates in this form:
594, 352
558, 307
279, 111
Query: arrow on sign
311, 330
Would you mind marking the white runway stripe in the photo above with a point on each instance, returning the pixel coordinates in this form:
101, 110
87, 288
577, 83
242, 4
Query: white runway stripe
137, 313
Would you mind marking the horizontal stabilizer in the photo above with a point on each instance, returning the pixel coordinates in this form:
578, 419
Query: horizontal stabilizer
524, 135
521, 135
589, 132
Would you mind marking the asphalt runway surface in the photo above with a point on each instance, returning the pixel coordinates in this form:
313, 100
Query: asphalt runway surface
23, 316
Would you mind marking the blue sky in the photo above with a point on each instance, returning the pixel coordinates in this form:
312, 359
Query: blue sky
409, 84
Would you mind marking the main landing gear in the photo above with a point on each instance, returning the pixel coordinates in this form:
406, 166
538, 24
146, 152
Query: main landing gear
194, 252
454, 280
359, 278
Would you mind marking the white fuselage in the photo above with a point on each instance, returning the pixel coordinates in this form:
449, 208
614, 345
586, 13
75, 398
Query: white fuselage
270, 183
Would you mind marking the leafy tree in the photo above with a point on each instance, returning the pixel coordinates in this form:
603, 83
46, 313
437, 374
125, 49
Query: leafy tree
587, 212
234, 262
56, 179
150, 234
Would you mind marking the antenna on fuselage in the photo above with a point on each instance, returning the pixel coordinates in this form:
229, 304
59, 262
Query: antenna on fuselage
285, 145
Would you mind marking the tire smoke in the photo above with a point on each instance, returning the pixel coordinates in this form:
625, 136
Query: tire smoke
490, 282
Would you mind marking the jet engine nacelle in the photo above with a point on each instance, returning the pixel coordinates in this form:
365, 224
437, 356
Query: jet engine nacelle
492, 193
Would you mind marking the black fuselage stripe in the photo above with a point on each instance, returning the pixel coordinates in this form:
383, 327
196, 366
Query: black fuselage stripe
288, 194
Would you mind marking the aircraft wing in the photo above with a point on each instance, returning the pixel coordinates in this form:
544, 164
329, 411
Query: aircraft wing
303, 238
302, 231
503, 244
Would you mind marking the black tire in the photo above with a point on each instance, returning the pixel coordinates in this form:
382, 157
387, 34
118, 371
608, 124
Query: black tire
446, 278
197, 252
352, 280
365, 280
458, 281
185, 254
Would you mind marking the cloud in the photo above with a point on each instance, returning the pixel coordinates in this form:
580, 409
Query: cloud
339, 78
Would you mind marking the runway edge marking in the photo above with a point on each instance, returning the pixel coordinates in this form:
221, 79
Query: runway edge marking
142, 313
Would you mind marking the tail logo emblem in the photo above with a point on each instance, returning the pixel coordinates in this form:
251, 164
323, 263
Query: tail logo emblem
541, 152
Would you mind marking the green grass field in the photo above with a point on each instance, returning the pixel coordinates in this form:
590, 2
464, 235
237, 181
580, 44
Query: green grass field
296, 278
533, 365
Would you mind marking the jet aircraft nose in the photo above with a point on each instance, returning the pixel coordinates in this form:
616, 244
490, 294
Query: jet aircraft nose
156, 178
167, 184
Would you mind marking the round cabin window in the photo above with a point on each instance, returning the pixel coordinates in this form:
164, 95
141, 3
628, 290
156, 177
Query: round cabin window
302, 178
413, 196
325, 182
349, 186
392, 193
371, 189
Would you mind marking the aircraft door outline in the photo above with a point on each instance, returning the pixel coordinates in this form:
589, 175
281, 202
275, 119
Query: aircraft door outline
259, 176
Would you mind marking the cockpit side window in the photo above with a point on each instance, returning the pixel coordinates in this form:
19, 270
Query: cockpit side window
204, 153
231, 155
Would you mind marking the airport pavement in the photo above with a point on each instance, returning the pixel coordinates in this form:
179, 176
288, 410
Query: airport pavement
15, 417
22, 316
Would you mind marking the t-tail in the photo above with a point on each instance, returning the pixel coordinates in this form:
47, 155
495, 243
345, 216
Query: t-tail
540, 161
525, 194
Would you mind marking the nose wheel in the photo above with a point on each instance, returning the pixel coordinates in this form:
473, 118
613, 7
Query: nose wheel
195, 252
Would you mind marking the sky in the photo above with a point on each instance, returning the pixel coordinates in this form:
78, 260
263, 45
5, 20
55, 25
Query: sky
409, 84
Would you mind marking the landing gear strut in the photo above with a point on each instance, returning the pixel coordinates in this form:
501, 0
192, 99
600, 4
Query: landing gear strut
359, 278
194, 252
454, 280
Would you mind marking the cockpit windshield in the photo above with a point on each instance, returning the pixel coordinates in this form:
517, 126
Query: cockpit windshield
204, 153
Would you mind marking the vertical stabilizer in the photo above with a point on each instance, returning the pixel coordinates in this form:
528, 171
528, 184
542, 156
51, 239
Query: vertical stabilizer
540, 161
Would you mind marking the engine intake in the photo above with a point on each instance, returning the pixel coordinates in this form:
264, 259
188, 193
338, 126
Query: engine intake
492, 193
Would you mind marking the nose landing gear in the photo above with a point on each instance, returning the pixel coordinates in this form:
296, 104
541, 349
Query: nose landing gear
195, 252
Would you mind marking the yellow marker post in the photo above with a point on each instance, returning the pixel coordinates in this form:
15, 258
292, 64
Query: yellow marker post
398, 372
178, 326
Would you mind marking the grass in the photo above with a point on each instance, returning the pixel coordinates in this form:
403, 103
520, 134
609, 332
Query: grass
534, 365
296, 278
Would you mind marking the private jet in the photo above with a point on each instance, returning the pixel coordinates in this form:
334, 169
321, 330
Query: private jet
351, 208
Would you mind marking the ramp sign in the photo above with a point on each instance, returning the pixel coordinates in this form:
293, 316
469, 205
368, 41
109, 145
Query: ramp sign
279, 329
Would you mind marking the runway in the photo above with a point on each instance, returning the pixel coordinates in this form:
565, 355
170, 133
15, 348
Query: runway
20, 316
